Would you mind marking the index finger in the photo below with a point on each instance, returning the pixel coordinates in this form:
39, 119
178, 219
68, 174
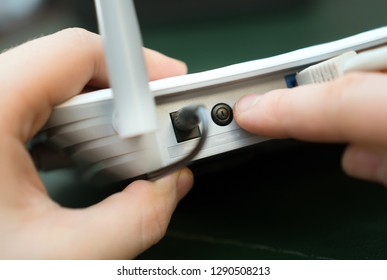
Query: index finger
42, 73
45, 72
350, 109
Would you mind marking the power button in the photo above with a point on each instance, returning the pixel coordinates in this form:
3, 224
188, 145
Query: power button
221, 114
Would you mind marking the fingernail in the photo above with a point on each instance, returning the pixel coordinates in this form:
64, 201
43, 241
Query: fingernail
182, 65
246, 102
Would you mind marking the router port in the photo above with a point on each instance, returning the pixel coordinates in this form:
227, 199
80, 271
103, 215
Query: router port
291, 80
183, 135
222, 114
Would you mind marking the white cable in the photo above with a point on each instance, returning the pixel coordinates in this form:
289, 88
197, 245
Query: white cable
372, 60
324, 71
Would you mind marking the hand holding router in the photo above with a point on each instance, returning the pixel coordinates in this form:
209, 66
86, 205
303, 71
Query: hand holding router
33, 225
130, 130
350, 109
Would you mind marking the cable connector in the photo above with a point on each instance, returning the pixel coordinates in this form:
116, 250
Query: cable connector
372, 60
186, 119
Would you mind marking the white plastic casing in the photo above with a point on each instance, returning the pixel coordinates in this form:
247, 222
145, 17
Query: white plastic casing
82, 126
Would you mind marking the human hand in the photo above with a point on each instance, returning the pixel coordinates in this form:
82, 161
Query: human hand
34, 78
351, 109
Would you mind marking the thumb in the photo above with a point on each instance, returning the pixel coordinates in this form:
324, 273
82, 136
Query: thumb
127, 223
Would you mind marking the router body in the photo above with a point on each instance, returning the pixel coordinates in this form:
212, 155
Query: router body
83, 127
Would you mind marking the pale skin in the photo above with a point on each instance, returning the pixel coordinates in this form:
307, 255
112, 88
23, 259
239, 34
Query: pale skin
43, 73
351, 110
35, 77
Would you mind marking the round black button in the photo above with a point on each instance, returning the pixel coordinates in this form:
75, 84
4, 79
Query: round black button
221, 114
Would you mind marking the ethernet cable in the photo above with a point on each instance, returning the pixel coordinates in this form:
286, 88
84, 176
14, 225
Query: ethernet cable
371, 60
187, 118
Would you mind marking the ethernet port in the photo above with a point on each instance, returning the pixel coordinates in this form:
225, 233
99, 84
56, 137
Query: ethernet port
183, 135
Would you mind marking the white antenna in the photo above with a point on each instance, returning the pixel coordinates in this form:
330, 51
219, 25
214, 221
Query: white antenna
134, 105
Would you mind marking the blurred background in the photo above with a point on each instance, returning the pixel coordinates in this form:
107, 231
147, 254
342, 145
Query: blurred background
277, 200
205, 33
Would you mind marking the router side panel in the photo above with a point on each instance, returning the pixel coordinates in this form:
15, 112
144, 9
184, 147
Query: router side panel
83, 128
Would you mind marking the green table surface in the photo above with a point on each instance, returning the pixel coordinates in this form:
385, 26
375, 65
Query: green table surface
282, 199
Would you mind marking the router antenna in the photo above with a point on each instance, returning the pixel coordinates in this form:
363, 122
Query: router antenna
134, 105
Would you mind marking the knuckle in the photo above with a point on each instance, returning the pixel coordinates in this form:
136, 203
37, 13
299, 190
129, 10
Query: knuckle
277, 112
79, 36
350, 82
342, 85
74, 31
343, 95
